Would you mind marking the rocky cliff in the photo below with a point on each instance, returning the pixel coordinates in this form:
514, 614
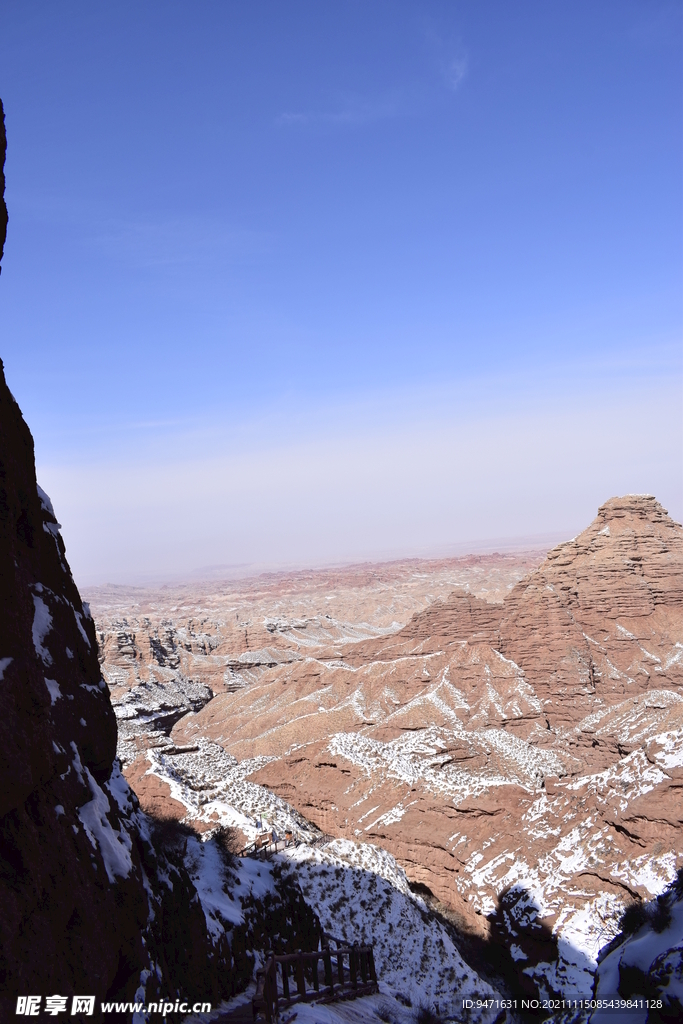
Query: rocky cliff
644, 962
522, 759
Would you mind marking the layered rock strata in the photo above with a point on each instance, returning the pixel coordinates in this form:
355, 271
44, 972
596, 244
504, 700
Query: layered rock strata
522, 760
166, 653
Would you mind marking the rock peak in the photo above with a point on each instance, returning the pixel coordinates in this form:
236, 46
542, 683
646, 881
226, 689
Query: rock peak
643, 506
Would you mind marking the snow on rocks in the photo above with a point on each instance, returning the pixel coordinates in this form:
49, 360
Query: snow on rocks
115, 845
45, 502
53, 689
42, 624
648, 963
361, 894
214, 788
220, 889
535, 744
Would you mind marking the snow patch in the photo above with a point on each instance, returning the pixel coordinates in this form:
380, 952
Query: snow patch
53, 689
79, 623
655, 955
42, 624
114, 846
45, 502
119, 789
361, 894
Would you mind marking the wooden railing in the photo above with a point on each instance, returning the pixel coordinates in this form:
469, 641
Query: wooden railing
296, 977
265, 845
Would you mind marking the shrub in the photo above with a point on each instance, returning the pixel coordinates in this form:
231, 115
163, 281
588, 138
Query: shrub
661, 914
228, 843
425, 1015
168, 834
633, 918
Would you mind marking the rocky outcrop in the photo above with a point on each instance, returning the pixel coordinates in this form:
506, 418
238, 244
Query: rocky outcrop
531, 747
600, 620
166, 653
87, 905
643, 965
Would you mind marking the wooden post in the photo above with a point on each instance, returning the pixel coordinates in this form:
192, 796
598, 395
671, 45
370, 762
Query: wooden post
340, 968
352, 965
285, 979
371, 959
300, 980
316, 980
327, 959
258, 1002
273, 986
363, 967
267, 996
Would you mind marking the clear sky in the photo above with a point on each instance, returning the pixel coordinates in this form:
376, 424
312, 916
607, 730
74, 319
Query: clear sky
303, 282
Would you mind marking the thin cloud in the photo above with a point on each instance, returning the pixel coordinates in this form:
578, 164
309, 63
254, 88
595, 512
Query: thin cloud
455, 71
179, 242
354, 110
126, 516
448, 57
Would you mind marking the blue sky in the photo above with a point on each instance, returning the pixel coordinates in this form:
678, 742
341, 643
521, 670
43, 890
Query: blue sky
294, 282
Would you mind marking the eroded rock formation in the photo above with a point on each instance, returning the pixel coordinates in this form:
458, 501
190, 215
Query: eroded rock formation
522, 758
166, 653
537, 745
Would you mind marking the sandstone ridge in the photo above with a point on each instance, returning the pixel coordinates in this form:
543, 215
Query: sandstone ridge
533, 743
516, 742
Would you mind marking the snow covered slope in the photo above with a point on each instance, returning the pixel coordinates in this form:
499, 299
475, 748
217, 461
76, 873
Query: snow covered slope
359, 894
645, 962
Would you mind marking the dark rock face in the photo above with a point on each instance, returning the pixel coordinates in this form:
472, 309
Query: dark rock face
45, 632
82, 906
87, 906
645, 960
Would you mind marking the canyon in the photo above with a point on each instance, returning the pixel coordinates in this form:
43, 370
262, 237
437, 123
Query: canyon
477, 764
509, 728
111, 912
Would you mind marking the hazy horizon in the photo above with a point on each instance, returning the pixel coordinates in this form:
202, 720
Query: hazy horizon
236, 572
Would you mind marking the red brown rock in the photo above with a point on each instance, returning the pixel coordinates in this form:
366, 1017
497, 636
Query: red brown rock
534, 742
